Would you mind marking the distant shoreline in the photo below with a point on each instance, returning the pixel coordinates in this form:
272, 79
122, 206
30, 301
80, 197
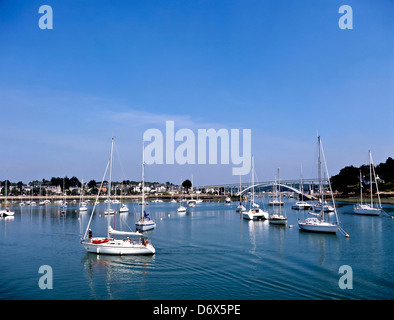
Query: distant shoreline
365, 200
385, 198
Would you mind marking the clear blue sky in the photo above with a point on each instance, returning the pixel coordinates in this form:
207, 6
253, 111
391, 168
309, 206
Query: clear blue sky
117, 68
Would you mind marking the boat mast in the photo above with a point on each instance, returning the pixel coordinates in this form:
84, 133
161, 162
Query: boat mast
109, 183
143, 180
361, 190
280, 195
252, 181
376, 181
302, 186
320, 181
240, 195
370, 176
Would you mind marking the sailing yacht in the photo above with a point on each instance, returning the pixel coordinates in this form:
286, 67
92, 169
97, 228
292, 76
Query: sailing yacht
275, 201
301, 205
241, 207
254, 213
317, 223
181, 209
110, 245
6, 212
82, 204
145, 222
124, 207
278, 218
369, 209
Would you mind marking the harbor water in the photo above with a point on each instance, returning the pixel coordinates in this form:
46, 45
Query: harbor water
209, 253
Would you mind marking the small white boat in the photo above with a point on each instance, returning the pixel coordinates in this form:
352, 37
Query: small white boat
255, 214
109, 211
369, 209
326, 207
366, 209
240, 208
227, 200
83, 207
317, 225
119, 247
301, 205
277, 217
145, 222
181, 209
6, 212
124, 208
276, 194
111, 246
192, 204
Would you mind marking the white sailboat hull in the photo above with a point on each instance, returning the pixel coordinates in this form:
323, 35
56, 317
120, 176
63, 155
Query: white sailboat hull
181, 210
314, 225
301, 206
118, 247
124, 209
255, 214
145, 225
6, 212
366, 209
276, 219
240, 208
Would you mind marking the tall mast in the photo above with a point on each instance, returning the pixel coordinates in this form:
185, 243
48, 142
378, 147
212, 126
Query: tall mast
143, 179
370, 176
109, 185
280, 195
361, 189
376, 181
320, 181
110, 176
252, 180
302, 186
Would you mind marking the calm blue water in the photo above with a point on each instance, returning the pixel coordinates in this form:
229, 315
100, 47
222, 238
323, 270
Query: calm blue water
209, 253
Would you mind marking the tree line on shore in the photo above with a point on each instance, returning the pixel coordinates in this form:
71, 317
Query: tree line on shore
347, 181
72, 186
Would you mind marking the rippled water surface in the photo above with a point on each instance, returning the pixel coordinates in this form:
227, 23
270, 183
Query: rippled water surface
209, 253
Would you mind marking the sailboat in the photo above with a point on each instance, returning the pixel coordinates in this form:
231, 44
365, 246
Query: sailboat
369, 209
278, 218
82, 204
123, 207
145, 222
110, 245
317, 223
254, 213
301, 205
275, 201
191, 202
241, 207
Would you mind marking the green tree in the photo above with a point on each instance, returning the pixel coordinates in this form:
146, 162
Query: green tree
92, 184
187, 184
347, 180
